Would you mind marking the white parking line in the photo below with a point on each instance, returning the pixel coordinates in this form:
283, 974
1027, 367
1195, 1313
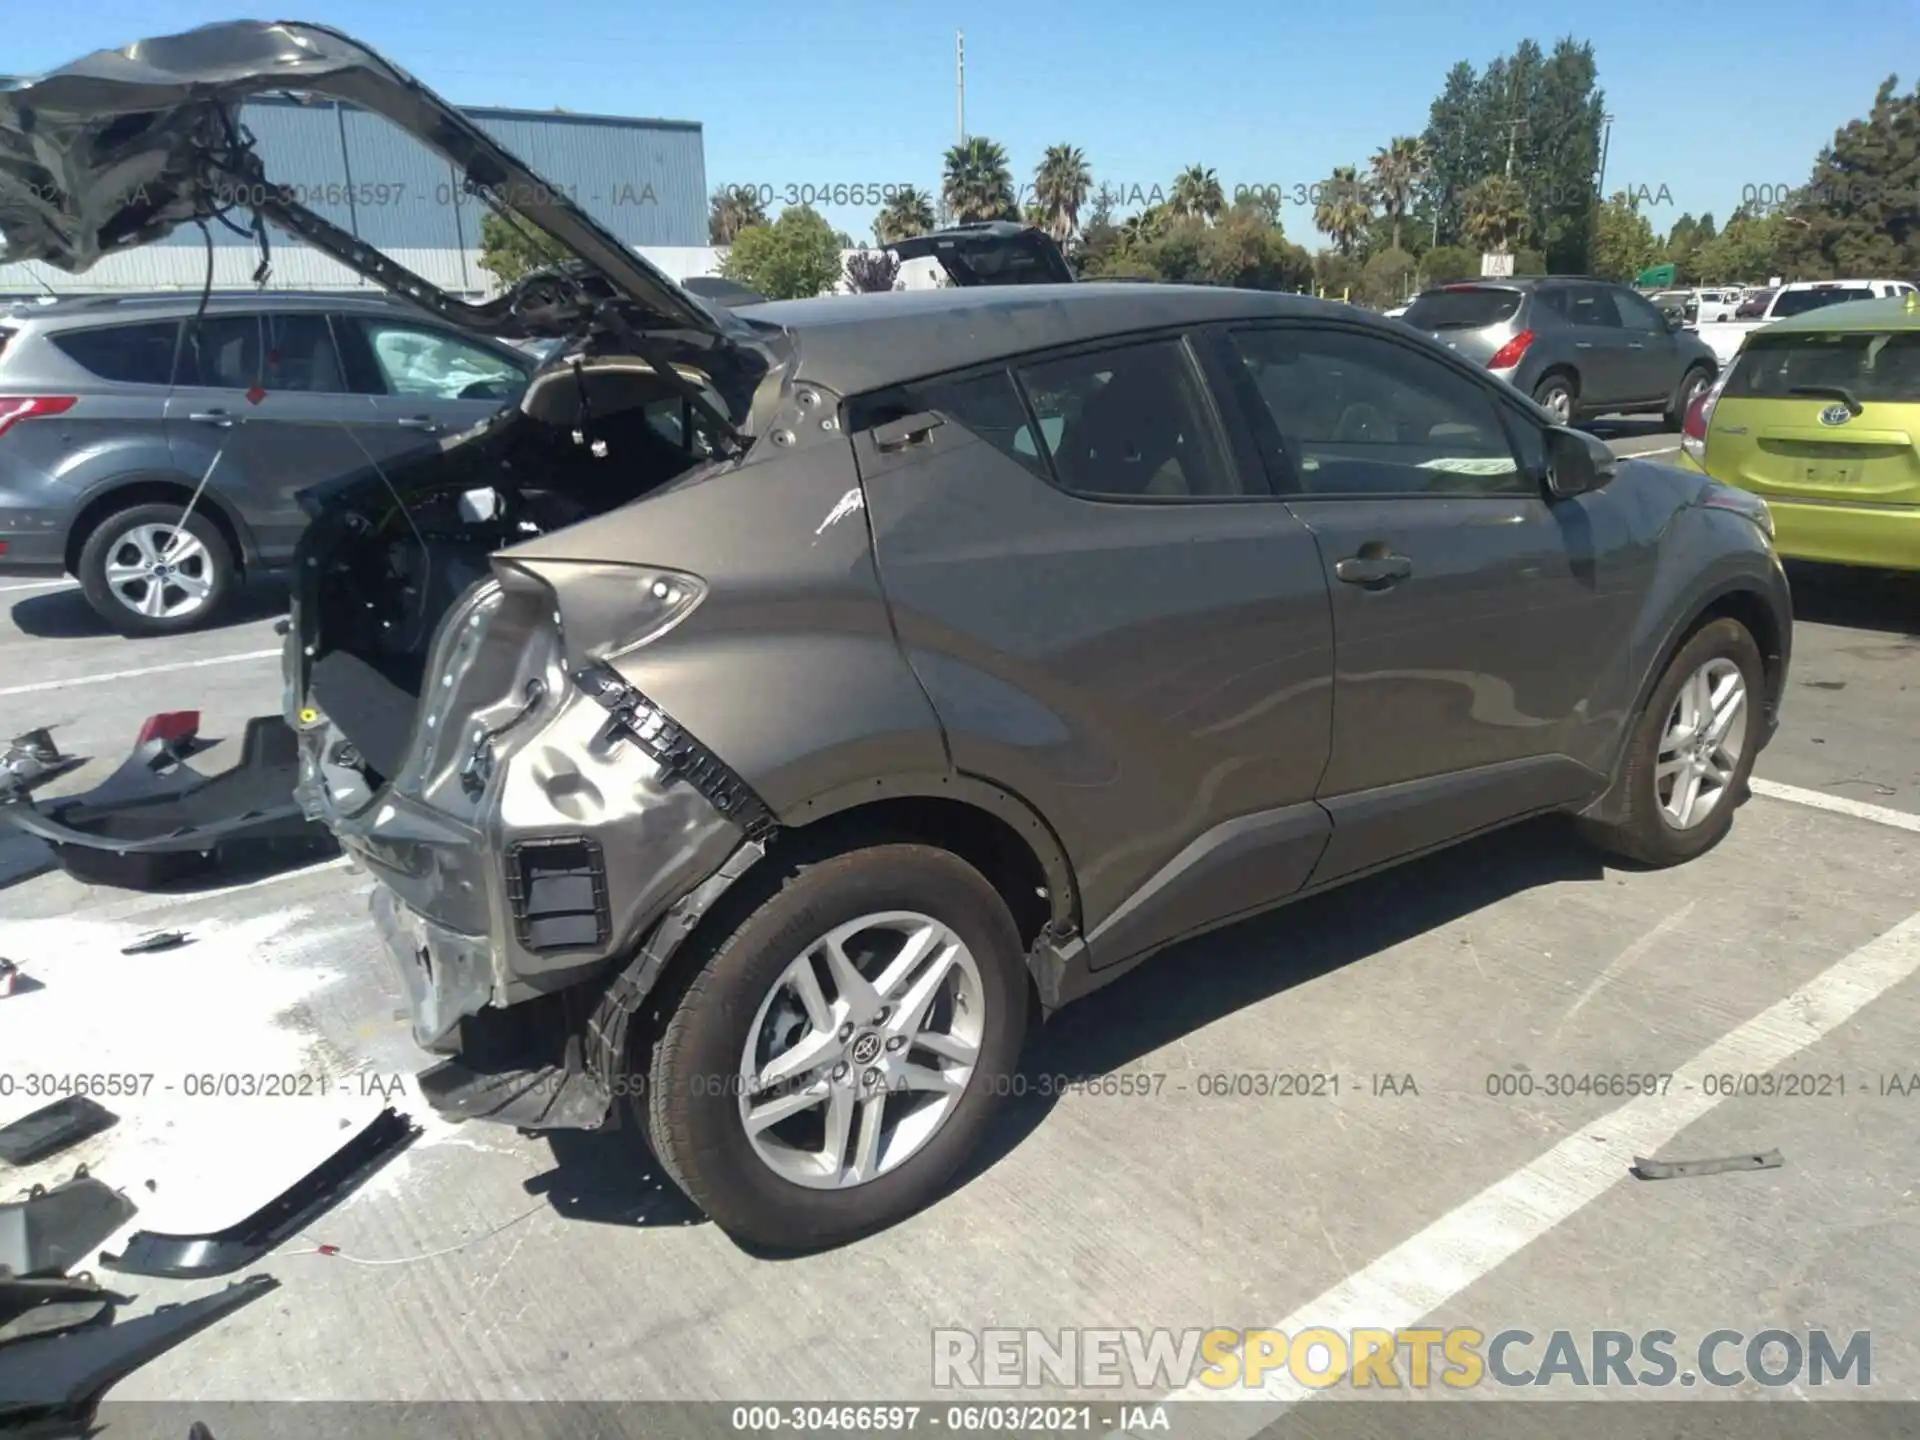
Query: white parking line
1423, 1273
1838, 804
72, 681
38, 585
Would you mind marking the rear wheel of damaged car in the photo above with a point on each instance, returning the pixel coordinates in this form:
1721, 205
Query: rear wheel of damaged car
838, 1055
146, 573
1691, 750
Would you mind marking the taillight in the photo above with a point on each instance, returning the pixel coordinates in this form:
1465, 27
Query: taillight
15, 408
1693, 432
1508, 355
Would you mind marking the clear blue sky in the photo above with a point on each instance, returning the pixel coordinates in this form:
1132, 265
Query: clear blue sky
1710, 98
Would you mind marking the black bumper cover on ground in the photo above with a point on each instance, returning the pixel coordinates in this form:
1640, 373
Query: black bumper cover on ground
192, 1257
156, 821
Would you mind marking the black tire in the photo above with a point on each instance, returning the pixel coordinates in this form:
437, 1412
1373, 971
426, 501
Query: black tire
1696, 379
1545, 393
695, 1129
1643, 832
112, 534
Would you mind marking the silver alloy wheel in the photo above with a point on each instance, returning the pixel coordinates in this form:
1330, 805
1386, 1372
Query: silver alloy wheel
1559, 404
1694, 391
160, 572
844, 1080
1700, 750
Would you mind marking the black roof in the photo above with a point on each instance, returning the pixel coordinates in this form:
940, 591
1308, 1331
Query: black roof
855, 343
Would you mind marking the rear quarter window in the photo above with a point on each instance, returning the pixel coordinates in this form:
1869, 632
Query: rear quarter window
1467, 309
125, 354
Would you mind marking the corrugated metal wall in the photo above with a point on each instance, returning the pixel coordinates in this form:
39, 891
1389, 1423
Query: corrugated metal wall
645, 180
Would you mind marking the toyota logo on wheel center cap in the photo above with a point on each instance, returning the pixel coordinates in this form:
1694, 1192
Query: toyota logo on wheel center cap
865, 1049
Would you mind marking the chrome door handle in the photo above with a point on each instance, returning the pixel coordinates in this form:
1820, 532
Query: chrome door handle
212, 417
1583, 344
1635, 345
419, 422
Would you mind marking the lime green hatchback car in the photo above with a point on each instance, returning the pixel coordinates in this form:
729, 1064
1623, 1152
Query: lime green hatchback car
1819, 415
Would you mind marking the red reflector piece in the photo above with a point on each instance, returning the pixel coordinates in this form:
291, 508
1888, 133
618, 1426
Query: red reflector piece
173, 726
256, 395
1696, 424
15, 408
1508, 355
3, 547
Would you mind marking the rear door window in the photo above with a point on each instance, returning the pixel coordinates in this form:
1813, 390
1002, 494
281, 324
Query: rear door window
129, 354
301, 356
1129, 423
1469, 307
1592, 305
222, 352
1871, 367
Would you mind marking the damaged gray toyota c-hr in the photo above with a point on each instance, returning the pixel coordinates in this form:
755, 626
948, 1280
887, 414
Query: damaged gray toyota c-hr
751, 727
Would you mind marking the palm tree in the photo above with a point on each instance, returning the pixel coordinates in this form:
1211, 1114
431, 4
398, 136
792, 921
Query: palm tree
1398, 168
908, 213
1061, 184
1343, 210
1495, 212
732, 209
1196, 192
977, 185
1144, 228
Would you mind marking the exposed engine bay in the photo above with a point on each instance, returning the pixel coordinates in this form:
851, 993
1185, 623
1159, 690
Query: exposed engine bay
393, 550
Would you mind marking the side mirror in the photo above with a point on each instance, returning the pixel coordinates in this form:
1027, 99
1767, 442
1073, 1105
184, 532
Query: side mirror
1577, 463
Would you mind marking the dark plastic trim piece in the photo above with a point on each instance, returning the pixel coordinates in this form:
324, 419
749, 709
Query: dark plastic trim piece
53, 1127
51, 1230
221, 1252
679, 755
140, 828
55, 1383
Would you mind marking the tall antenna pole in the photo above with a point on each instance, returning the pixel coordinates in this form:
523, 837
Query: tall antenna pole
960, 86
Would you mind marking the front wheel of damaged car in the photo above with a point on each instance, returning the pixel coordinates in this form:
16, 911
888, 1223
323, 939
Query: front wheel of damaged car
838, 1055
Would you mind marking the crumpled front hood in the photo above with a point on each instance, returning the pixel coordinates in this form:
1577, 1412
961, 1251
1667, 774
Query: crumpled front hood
120, 148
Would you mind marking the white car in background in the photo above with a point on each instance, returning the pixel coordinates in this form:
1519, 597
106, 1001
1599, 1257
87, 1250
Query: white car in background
1763, 306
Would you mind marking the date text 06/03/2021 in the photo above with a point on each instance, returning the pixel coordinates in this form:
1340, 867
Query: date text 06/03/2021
994, 1418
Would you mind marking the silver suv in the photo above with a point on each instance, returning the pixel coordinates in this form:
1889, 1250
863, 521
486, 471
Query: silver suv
154, 452
1579, 347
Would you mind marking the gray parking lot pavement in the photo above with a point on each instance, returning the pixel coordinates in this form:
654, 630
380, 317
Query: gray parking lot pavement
1399, 1104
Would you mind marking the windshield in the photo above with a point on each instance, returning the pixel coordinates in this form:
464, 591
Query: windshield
1467, 308
1799, 302
1869, 366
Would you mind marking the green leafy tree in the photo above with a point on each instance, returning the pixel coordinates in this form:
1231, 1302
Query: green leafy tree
1099, 236
1336, 276
1344, 210
1061, 184
510, 249
1624, 243
1494, 213
1247, 249
731, 209
1531, 115
1197, 194
1387, 277
796, 257
1746, 251
1449, 264
976, 183
907, 214
1859, 213
1398, 168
